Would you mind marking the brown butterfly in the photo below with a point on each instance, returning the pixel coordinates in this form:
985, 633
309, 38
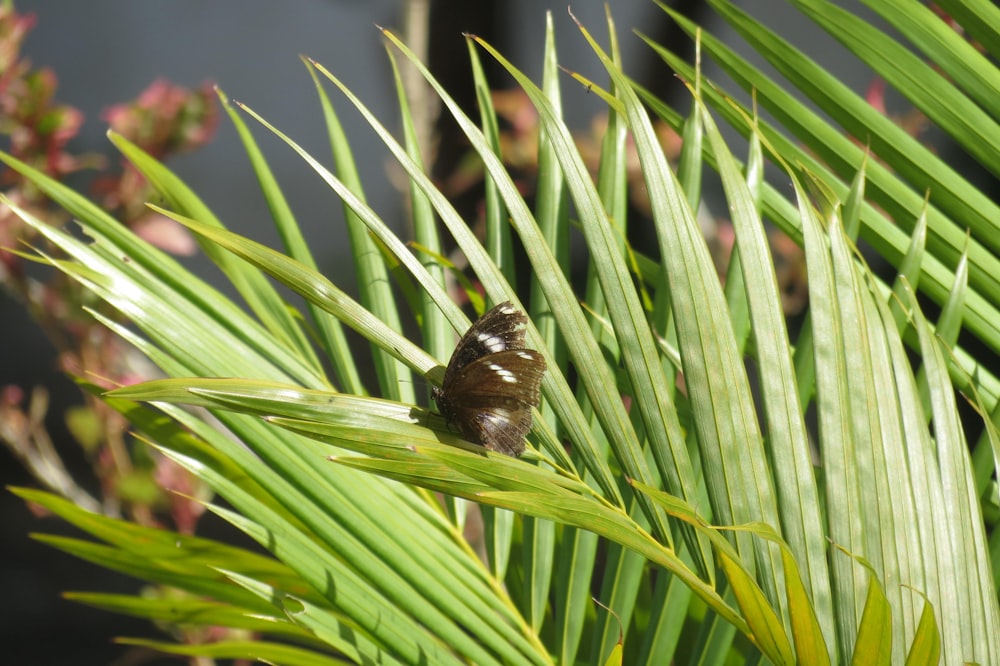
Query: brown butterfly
492, 382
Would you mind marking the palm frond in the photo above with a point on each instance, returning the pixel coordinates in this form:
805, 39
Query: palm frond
687, 492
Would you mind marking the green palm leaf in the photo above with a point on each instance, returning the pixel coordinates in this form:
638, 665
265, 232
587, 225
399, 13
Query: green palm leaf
687, 494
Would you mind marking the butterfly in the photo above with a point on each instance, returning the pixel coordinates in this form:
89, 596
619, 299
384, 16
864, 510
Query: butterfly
492, 382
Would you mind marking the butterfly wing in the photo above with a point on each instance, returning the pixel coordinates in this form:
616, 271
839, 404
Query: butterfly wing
490, 399
498, 330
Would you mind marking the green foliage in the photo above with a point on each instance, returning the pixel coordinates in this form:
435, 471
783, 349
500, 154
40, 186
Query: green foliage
700, 513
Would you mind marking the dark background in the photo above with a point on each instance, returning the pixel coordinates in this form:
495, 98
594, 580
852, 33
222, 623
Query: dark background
107, 51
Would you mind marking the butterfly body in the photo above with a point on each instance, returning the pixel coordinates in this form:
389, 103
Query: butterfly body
492, 382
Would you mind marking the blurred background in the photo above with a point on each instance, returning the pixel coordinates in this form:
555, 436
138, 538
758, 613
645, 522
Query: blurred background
107, 52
